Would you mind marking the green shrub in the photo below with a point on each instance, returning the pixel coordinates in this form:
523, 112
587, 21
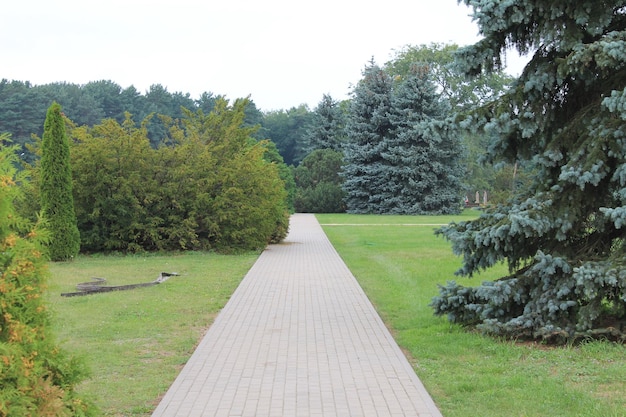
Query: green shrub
57, 201
318, 183
211, 188
36, 377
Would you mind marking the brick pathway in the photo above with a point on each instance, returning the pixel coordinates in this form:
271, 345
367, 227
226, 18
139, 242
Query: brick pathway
298, 338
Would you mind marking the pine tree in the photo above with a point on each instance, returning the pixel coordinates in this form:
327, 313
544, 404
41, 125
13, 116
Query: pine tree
562, 237
57, 201
367, 127
422, 151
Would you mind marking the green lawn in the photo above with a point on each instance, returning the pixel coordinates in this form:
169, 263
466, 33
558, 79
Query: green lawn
399, 267
135, 342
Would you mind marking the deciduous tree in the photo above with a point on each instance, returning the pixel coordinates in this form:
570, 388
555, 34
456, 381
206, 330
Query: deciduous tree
288, 129
463, 93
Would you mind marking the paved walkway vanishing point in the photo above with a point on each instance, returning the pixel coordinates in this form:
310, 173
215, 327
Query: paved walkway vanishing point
298, 338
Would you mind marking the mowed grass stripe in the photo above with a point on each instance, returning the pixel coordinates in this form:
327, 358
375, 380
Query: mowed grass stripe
466, 373
383, 224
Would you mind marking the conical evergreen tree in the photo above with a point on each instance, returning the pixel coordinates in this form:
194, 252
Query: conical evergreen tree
367, 127
422, 151
57, 201
563, 237
327, 129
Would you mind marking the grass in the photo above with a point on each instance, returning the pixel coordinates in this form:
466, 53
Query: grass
385, 220
135, 342
399, 268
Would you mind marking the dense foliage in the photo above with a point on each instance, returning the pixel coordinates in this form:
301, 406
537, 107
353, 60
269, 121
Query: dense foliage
562, 236
318, 183
36, 377
23, 104
57, 202
288, 130
317, 177
296, 131
284, 172
367, 127
423, 151
464, 94
327, 127
210, 187
402, 155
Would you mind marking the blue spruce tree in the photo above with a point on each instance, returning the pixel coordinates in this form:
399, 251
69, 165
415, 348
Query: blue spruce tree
401, 156
368, 126
422, 151
563, 237
327, 129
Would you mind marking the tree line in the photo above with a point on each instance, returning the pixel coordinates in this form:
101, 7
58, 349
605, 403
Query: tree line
548, 146
23, 105
296, 132
202, 179
110, 170
212, 187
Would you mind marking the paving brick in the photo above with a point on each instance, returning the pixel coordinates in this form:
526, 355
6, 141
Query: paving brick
298, 338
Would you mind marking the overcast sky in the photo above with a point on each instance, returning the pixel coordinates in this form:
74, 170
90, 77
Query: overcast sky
280, 52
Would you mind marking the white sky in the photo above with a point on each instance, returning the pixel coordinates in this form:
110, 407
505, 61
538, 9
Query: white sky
280, 52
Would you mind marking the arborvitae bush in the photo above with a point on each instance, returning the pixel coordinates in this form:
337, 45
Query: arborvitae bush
57, 201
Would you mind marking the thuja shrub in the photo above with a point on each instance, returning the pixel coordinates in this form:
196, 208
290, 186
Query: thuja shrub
36, 377
57, 202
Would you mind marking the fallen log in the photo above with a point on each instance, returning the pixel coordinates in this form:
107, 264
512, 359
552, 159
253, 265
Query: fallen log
97, 285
